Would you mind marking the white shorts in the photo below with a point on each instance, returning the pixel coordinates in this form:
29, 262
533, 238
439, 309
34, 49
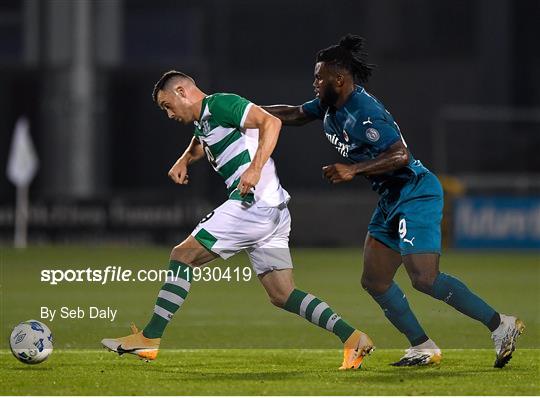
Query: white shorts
263, 232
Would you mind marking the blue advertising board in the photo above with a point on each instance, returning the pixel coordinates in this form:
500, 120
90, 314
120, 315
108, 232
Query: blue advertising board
497, 222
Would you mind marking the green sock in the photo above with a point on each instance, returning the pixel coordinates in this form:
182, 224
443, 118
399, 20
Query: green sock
318, 312
170, 298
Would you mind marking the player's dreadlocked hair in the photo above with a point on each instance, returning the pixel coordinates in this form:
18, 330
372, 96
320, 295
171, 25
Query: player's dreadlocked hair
165, 78
350, 55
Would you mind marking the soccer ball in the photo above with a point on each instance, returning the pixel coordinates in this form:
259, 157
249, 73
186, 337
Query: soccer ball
31, 342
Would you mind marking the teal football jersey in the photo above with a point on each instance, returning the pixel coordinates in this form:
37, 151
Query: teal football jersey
361, 130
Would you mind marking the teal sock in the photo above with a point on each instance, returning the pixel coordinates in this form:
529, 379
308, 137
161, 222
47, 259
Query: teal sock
454, 292
319, 313
396, 309
170, 298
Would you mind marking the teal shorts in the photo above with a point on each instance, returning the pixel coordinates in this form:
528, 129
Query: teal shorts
408, 220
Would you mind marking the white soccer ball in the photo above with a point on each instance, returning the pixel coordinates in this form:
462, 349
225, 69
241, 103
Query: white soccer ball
31, 342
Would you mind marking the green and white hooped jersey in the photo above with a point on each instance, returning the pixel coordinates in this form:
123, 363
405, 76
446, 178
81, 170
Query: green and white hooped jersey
230, 148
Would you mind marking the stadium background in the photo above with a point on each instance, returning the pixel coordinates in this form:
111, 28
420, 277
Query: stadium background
460, 77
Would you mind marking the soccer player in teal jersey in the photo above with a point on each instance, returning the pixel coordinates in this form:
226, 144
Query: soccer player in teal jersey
405, 226
238, 138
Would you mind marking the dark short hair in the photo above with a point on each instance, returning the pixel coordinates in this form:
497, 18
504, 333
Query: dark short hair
166, 78
350, 55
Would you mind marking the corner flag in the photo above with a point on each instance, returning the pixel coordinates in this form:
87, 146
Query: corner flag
22, 167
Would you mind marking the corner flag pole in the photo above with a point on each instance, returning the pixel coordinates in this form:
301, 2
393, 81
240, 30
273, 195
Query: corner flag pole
22, 167
21, 217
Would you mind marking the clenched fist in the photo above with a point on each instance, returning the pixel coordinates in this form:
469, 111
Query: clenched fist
178, 172
339, 172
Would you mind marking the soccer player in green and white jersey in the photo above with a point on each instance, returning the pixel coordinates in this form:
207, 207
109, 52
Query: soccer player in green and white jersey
238, 138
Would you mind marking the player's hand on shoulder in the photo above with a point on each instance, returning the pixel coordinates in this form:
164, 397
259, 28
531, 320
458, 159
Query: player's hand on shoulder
338, 172
178, 172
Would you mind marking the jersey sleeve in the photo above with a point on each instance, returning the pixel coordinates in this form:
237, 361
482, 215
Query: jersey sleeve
229, 110
378, 133
314, 108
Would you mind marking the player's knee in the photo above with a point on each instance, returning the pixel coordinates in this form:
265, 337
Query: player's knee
185, 256
278, 299
422, 283
374, 286
366, 282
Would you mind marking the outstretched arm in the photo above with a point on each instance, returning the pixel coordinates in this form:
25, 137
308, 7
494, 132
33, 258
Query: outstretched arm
178, 172
395, 157
290, 115
269, 127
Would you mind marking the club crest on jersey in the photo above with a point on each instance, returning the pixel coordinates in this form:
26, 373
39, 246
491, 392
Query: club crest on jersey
345, 136
205, 127
372, 134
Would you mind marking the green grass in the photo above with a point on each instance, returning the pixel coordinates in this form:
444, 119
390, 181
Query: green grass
256, 348
268, 372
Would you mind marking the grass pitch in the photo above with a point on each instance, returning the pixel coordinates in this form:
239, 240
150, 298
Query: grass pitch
268, 372
227, 339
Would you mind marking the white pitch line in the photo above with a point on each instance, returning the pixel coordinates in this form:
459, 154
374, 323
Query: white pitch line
174, 350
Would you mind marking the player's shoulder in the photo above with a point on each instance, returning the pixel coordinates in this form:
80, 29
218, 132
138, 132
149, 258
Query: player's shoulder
365, 106
226, 109
314, 108
221, 104
223, 95
224, 98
